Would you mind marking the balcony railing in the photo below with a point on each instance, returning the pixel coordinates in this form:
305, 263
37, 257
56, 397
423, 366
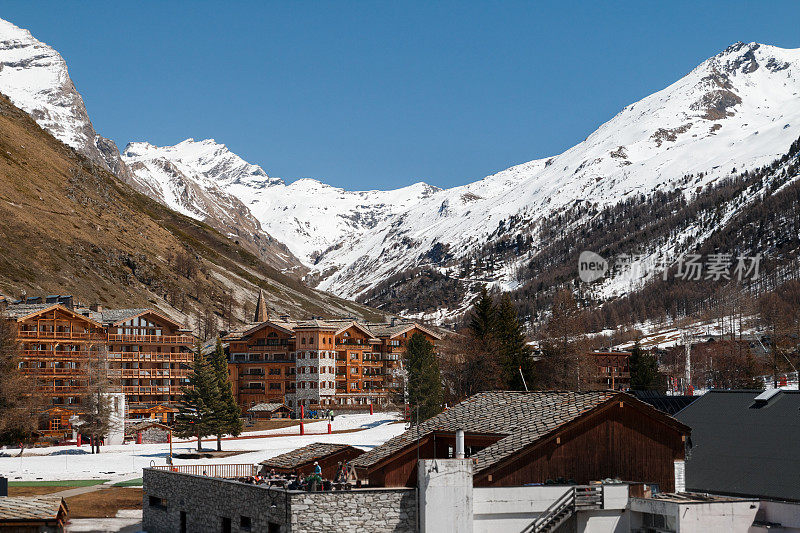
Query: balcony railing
183, 357
60, 335
151, 339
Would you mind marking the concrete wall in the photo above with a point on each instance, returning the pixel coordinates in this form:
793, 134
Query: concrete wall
514, 508
207, 501
784, 513
445, 495
696, 517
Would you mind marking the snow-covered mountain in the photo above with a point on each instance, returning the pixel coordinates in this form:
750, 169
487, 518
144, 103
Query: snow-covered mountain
34, 77
739, 109
307, 215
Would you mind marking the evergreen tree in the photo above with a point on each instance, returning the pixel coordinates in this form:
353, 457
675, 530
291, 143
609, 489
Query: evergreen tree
513, 350
197, 416
226, 410
483, 317
424, 378
644, 369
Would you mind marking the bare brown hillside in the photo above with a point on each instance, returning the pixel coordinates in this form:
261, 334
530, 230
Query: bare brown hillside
69, 226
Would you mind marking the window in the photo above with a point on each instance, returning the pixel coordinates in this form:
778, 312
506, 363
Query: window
274, 386
157, 503
183, 521
245, 524
226, 524
302, 340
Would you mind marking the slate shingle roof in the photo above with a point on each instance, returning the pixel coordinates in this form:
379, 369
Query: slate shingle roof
739, 448
112, 316
266, 407
40, 508
304, 455
21, 310
520, 417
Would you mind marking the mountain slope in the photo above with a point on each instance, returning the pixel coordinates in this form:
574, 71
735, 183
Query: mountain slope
67, 225
35, 77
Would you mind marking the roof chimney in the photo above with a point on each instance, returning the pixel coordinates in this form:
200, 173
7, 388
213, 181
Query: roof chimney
459, 444
97, 308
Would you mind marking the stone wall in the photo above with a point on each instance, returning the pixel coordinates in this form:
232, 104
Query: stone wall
359, 511
207, 503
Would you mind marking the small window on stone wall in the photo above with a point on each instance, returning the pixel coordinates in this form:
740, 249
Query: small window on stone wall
245, 524
157, 503
272, 527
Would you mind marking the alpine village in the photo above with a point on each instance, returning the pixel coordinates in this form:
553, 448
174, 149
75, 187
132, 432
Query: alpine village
603, 340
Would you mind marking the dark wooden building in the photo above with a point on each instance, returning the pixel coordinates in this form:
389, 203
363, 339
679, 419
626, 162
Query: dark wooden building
516, 438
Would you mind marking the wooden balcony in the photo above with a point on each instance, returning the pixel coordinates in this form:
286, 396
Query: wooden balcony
182, 357
58, 354
51, 371
151, 389
62, 335
151, 339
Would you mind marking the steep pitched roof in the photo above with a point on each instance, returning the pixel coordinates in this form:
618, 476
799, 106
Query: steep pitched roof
744, 447
392, 330
305, 455
22, 311
117, 316
519, 418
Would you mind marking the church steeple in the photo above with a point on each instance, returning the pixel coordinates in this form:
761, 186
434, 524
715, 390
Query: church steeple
262, 313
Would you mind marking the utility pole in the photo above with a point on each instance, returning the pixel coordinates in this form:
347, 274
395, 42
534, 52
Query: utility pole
688, 345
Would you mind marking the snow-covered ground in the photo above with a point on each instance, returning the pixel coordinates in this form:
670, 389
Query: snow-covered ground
123, 462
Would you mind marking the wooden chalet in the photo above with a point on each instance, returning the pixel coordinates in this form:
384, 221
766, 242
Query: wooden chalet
33, 514
518, 438
150, 354
268, 411
613, 369
327, 455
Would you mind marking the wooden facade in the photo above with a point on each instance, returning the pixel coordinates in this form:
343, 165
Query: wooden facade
144, 354
613, 369
318, 363
150, 357
58, 349
621, 438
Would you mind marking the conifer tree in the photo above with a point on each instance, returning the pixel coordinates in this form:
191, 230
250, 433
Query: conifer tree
226, 410
483, 317
196, 416
644, 369
513, 350
424, 378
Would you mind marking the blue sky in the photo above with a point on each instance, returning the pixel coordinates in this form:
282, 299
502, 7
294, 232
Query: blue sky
383, 94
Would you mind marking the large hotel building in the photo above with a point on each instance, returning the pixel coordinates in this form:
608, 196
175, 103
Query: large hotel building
143, 353
147, 357
318, 362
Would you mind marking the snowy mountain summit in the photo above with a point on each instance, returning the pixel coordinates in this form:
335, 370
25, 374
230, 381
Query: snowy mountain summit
34, 77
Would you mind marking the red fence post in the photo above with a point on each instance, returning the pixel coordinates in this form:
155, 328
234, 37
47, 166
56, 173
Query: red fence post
329, 428
370, 409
